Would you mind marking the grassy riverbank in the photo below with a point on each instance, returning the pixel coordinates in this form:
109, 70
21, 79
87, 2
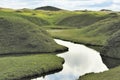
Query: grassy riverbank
78, 36
17, 67
112, 74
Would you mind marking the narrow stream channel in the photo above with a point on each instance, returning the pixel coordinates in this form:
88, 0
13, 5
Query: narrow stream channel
79, 60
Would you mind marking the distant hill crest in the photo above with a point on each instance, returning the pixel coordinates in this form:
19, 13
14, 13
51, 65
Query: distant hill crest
49, 8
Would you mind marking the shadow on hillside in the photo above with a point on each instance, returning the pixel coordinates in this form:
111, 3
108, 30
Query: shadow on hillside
110, 62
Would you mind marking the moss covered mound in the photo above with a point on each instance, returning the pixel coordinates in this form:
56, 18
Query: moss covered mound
81, 20
112, 48
18, 35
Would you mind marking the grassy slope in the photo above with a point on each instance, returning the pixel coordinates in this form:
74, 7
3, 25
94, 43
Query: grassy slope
36, 20
76, 35
83, 19
52, 17
20, 36
15, 68
15, 30
112, 48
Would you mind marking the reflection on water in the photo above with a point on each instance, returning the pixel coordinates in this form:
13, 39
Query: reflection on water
79, 60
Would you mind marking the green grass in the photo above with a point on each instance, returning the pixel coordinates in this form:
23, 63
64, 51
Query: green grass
18, 35
36, 20
51, 16
17, 67
78, 36
83, 19
112, 74
60, 17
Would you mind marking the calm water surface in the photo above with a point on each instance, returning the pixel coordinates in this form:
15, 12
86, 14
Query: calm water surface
79, 60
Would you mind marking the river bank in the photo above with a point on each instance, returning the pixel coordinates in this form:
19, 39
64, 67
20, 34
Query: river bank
19, 67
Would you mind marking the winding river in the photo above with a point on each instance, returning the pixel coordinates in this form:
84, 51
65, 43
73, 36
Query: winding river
79, 60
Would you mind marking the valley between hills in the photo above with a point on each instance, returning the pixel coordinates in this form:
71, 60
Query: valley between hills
26, 40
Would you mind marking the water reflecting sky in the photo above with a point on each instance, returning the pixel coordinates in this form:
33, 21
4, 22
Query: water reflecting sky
79, 60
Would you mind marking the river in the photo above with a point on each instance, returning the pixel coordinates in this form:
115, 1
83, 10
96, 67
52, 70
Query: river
79, 60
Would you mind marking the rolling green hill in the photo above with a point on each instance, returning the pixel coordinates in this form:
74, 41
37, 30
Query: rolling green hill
51, 16
83, 19
18, 35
